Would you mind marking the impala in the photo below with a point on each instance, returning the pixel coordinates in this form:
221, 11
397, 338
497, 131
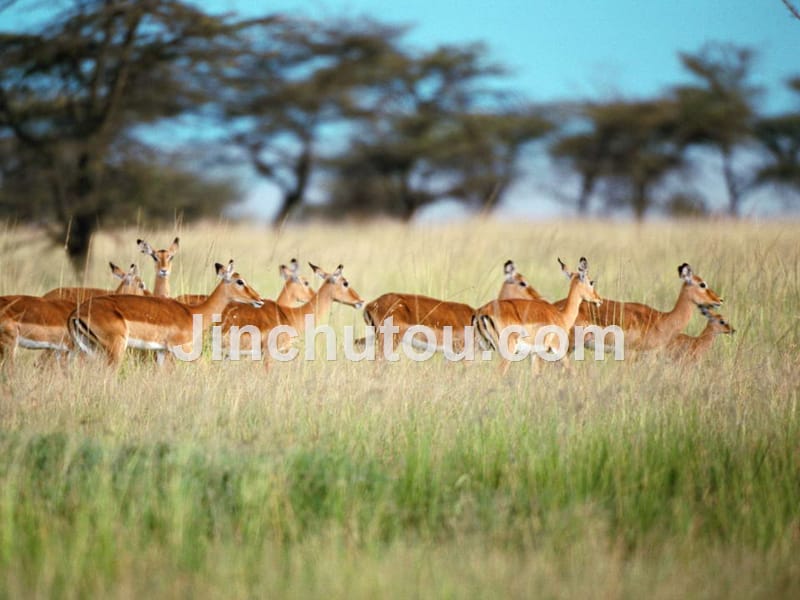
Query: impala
408, 310
130, 283
163, 264
533, 315
334, 288
41, 323
685, 347
646, 328
112, 323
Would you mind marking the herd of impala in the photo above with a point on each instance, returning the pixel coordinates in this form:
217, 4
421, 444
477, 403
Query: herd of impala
93, 321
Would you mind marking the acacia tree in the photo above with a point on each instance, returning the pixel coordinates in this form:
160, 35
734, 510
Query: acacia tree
71, 89
435, 130
779, 135
284, 94
719, 112
624, 148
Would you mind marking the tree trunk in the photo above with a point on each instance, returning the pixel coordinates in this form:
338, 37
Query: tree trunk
587, 187
294, 197
82, 214
640, 201
734, 195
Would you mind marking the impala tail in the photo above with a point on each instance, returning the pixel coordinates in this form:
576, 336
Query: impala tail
83, 336
487, 331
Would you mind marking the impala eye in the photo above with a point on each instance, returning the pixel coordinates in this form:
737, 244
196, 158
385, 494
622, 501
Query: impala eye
522, 284
345, 284
722, 322
591, 283
307, 284
703, 284
240, 282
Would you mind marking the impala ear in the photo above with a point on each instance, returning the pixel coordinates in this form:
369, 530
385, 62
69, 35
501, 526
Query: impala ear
294, 265
337, 273
509, 269
583, 268
685, 272
564, 269
116, 271
284, 272
175, 244
220, 269
317, 271
145, 248
133, 270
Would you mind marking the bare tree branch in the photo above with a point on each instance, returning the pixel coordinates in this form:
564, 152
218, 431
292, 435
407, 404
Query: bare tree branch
795, 12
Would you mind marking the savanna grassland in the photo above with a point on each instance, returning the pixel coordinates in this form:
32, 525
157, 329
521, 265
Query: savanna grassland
640, 478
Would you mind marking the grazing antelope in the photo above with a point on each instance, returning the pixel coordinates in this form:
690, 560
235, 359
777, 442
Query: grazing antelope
334, 288
685, 347
163, 264
41, 323
532, 315
646, 328
130, 283
112, 323
407, 310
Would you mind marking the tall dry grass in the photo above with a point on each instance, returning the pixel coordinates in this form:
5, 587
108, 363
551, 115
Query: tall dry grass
621, 479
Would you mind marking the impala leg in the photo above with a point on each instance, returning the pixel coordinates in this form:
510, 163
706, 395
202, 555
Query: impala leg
115, 350
9, 335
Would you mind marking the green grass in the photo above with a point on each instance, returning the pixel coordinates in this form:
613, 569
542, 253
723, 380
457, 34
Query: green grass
348, 480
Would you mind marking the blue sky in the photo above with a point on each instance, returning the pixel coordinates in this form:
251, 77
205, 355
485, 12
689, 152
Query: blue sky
587, 48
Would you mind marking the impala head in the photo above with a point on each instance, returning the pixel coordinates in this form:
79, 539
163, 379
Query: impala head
515, 286
580, 279
236, 288
297, 288
162, 258
718, 323
697, 288
130, 283
342, 292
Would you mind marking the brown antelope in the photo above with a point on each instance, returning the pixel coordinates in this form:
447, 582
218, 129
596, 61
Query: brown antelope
41, 323
685, 347
646, 328
112, 323
334, 288
130, 283
408, 310
533, 315
163, 264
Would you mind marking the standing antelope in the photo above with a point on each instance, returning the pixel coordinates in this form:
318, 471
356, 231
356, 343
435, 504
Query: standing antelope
41, 323
163, 264
533, 315
130, 283
112, 323
408, 310
334, 288
685, 347
646, 328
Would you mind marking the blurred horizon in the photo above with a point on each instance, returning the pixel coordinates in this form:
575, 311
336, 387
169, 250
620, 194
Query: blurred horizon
565, 52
